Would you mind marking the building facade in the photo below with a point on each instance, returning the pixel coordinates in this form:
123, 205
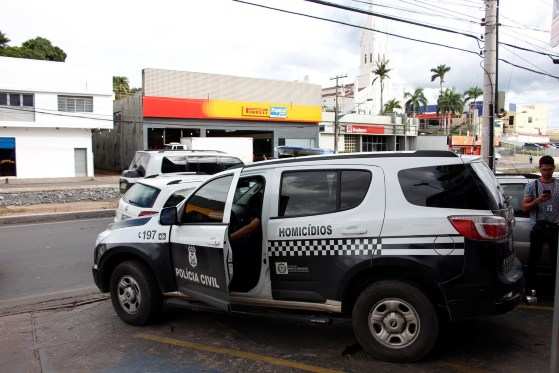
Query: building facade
176, 104
47, 113
531, 120
368, 133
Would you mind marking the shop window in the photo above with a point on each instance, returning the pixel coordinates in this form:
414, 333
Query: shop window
374, 143
351, 143
7, 156
155, 138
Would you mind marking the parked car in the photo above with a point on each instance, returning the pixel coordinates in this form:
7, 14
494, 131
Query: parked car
395, 242
148, 196
149, 163
513, 187
532, 146
174, 146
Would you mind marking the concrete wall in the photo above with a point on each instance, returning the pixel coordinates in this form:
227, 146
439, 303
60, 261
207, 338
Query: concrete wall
114, 149
186, 84
48, 152
431, 143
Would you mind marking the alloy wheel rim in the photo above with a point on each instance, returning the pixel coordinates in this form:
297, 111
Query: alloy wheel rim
129, 295
394, 323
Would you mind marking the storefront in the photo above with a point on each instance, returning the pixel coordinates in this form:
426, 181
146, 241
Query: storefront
7, 156
270, 125
173, 105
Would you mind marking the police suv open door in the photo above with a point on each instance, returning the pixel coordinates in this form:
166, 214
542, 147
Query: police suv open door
200, 245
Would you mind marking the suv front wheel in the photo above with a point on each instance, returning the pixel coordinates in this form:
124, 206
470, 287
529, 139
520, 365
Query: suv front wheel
134, 293
395, 321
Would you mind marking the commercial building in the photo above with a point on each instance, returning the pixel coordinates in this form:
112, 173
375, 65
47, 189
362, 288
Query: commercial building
368, 133
176, 104
47, 113
530, 120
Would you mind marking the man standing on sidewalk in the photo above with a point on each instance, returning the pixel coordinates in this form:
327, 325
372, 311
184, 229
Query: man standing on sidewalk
541, 200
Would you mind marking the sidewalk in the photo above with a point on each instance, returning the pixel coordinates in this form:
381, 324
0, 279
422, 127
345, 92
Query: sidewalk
43, 185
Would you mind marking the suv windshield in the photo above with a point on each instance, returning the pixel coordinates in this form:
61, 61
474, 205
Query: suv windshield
141, 195
207, 165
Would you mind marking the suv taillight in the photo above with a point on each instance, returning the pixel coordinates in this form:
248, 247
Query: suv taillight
474, 227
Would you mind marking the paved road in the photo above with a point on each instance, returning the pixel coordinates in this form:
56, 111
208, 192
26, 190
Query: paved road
43, 258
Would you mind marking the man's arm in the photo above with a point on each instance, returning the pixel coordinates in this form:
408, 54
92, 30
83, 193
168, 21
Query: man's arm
530, 200
246, 230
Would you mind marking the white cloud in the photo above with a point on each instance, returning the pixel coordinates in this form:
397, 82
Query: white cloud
222, 36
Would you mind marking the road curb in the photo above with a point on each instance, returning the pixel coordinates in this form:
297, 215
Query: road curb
56, 216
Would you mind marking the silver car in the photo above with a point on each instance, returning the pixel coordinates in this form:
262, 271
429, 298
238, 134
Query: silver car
513, 187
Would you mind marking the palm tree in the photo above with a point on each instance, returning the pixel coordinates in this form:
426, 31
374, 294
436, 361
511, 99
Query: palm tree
449, 103
472, 94
121, 87
381, 72
439, 72
415, 100
392, 105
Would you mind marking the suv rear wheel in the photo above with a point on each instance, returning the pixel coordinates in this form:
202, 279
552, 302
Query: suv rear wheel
395, 321
134, 293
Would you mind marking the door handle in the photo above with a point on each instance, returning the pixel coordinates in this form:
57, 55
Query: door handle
354, 231
214, 241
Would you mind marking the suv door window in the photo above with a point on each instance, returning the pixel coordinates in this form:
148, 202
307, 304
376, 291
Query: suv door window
178, 197
308, 193
322, 192
354, 187
208, 203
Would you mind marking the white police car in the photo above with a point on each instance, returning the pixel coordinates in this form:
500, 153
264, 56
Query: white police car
397, 242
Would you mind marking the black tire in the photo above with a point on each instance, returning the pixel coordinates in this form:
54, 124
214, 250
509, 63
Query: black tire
140, 280
374, 300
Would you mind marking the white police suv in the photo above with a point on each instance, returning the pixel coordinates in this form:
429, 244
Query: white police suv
397, 242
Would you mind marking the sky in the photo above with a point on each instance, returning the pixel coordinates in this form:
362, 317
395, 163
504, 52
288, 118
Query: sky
226, 37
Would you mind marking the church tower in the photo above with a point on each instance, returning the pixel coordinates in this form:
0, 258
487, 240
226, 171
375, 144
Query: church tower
373, 46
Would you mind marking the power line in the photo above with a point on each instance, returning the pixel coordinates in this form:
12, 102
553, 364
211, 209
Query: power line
529, 69
438, 15
387, 33
437, 28
392, 18
438, 8
525, 60
355, 26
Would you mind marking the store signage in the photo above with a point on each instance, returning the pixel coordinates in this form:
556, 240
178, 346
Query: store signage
364, 129
252, 111
278, 112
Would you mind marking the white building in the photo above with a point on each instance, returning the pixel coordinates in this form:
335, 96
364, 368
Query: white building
368, 133
47, 113
532, 120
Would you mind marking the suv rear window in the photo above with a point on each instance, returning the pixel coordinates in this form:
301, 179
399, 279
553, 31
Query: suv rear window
451, 186
141, 195
207, 165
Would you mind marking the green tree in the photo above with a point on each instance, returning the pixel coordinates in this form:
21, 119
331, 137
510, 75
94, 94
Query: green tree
381, 72
392, 105
449, 103
3, 40
415, 100
38, 49
440, 72
121, 87
472, 93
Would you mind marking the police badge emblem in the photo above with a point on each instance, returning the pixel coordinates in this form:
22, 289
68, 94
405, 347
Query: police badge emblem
192, 259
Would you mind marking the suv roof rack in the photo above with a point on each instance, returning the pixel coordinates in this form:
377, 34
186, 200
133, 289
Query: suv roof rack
188, 150
316, 158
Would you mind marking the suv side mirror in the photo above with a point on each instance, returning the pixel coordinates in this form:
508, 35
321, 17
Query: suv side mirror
168, 216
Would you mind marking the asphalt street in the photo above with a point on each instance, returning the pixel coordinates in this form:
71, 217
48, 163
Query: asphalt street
36, 259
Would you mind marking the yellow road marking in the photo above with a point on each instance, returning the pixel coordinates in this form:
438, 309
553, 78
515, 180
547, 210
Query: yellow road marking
236, 353
541, 308
465, 368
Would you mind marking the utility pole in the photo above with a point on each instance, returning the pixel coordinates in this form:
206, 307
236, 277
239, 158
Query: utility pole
489, 80
555, 326
336, 113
